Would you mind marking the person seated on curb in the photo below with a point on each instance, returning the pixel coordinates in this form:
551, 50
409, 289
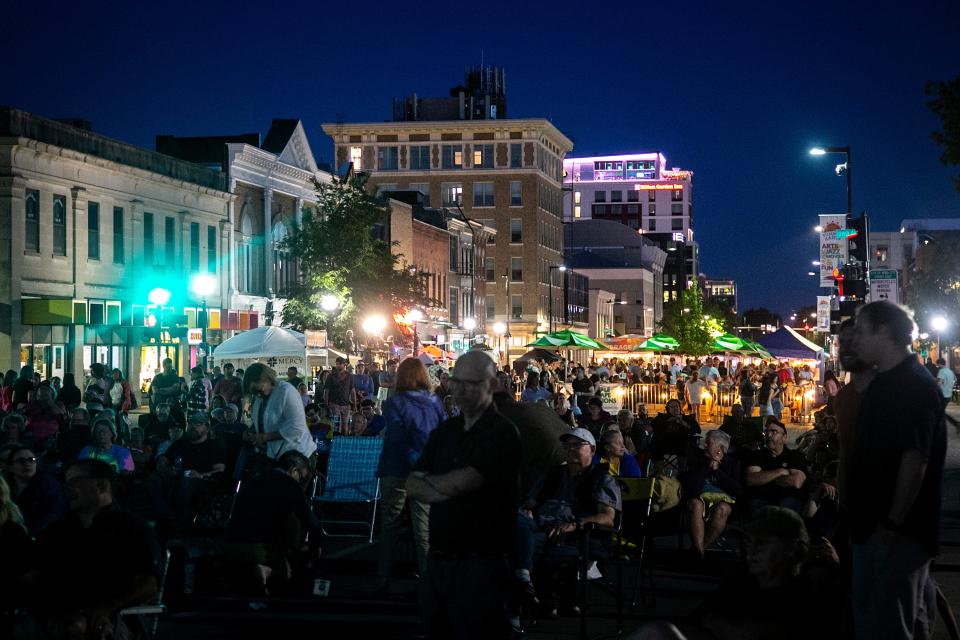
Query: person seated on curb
549, 525
613, 453
783, 567
775, 475
594, 418
711, 486
745, 433
269, 519
104, 430
92, 562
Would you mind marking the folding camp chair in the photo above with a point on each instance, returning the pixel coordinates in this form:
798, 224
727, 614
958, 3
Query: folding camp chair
149, 612
637, 498
351, 478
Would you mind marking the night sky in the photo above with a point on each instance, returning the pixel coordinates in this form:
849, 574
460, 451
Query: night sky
734, 91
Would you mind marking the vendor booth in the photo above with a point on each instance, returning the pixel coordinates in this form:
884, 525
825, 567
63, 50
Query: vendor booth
276, 347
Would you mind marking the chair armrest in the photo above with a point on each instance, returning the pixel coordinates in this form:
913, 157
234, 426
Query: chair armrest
143, 610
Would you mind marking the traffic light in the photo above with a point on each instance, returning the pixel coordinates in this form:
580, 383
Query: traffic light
858, 248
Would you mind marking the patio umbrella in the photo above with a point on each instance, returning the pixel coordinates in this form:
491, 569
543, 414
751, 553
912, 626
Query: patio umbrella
567, 339
757, 350
659, 342
729, 342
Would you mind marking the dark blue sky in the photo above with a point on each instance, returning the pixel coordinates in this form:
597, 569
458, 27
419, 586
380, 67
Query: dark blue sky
735, 91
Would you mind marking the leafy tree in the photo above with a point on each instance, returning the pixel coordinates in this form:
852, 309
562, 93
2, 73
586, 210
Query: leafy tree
946, 104
342, 253
684, 320
933, 287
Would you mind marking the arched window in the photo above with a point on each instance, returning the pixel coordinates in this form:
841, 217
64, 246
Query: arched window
284, 271
246, 258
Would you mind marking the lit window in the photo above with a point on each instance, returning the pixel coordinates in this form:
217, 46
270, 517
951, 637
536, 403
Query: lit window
576, 197
356, 155
576, 212
452, 193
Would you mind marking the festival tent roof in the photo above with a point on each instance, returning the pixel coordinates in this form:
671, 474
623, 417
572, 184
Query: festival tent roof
262, 342
787, 343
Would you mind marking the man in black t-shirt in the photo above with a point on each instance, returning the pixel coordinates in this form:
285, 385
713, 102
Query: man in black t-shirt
895, 481
775, 474
191, 465
468, 475
165, 386
23, 387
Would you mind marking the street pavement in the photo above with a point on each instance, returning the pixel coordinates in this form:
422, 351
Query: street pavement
350, 611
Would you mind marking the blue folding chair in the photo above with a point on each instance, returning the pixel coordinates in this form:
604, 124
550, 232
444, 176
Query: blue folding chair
351, 478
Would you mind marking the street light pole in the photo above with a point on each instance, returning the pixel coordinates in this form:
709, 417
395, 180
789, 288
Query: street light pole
820, 151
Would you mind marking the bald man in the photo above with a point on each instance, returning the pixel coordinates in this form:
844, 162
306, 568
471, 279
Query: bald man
468, 474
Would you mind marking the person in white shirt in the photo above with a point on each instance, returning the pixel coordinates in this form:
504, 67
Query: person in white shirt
695, 387
946, 379
279, 421
675, 371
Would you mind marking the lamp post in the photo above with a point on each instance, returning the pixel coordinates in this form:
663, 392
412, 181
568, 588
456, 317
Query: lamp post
203, 285
939, 324
415, 316
374, 325
470, 324
499, 329
841, 169
551, 269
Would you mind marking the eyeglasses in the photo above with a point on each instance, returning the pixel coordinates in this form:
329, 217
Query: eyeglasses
24, 461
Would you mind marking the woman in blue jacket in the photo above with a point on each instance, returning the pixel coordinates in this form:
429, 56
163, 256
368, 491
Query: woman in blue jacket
411, 413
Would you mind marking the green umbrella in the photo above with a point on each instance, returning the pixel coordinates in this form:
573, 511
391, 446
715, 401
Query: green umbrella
729, 342
568, 340
756, 349
659, 342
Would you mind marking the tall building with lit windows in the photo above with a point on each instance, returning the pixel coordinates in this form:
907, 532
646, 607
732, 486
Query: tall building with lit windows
640, 192
505, 174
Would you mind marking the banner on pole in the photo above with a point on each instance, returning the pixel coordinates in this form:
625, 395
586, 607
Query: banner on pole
833, 249
823, 314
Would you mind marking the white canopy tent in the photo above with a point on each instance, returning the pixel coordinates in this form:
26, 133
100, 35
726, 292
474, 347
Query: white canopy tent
276, 347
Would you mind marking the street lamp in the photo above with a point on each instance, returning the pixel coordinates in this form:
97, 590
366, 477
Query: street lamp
939, 324
329, 303
470, 324
159, 297
841, 169
204, 285
552, 268
499, 329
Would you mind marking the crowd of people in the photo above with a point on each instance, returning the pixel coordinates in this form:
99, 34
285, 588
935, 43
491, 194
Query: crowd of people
501, 477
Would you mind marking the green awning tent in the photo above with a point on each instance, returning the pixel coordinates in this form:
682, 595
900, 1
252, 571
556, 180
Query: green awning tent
659, 342
567, 339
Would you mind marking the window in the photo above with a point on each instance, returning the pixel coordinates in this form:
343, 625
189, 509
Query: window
881, 253
385, 187
676, 209
633, 195
148, 239
576, 197
516, 307
387, 158
454, 253
677, 195
246, 265
599, 196
194, 246
651, 196
516, 193
118, 249
633, 209
516, 230
420, 157
616, 196
652, 224
356, 157
676, 224
59, 225
454, 309
483, 194
424, 188
452, 193
211, 249
93, 230
652, 209
32, 221
483, 156
576, 211
170, 241
451, 156
489, 269
491, 307
516, 269
516, 155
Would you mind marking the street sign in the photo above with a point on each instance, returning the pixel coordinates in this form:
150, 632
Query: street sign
845, 233
883, 285
194, 336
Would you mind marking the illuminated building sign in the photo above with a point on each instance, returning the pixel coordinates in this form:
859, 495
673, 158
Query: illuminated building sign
194, 336
678, 237
658, 187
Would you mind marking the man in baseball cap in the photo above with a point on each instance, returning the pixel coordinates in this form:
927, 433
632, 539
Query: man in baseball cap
571, 495
775, 474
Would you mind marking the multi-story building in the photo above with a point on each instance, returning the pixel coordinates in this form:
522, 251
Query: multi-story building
274, 184
482, 96
505, 174
617, 259
640, 192
90, 226
719, 291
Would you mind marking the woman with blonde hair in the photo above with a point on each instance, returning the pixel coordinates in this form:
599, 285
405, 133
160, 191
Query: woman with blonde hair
411, 413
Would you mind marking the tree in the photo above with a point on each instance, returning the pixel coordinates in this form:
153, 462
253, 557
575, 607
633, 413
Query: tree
933, 287
946, 104
342, 254
684, 320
